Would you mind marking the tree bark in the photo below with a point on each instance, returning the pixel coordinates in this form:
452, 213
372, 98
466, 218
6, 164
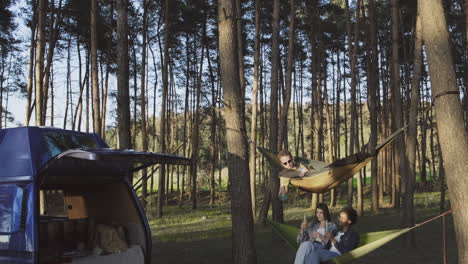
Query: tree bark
287, 97
373, 101
411, 139
243, 240
400, 154
29, 88
253, 129
449, 114
123, 97
42, 10
277, 205
94, 71
56, 20
165, 88
240, 48
196, 125
213, 146
144, 136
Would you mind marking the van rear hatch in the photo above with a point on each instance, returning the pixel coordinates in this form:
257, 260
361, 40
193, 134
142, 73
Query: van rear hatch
89, 165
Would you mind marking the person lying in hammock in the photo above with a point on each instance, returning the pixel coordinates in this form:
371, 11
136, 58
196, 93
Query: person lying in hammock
288, 163
342, 242
314, 233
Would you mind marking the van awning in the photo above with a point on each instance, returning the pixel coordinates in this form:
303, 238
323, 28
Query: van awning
105, 162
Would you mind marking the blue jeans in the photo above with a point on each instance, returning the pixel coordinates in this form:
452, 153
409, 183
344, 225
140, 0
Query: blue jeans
321, 255
306, 249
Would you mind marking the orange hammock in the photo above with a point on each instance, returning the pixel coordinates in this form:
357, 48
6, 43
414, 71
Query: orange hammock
323, 177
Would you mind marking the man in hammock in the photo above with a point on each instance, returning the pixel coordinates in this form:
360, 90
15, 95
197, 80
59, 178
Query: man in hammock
344, 241
288, 163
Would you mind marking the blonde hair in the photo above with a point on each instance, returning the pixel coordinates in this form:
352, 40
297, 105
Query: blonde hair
283, 153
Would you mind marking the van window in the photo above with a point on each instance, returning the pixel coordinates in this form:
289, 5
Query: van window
11, 198
59, 142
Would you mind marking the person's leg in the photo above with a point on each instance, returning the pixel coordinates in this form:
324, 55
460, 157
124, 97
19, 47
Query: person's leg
314, 257
305, 249
324, 255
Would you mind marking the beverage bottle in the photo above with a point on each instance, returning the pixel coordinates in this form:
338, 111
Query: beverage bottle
304, 222
283, 197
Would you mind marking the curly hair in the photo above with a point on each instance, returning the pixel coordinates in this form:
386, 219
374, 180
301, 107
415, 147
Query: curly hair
351, 213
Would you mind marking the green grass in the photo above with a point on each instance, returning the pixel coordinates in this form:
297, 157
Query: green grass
204, 235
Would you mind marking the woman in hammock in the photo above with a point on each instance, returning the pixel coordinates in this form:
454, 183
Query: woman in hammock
313, 236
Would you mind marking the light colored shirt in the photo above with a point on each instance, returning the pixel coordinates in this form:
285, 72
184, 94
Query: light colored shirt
337, 238
320, 230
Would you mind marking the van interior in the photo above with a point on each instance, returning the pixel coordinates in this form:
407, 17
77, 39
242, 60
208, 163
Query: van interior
89, 222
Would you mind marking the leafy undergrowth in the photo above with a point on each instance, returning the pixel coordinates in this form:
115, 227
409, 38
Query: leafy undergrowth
204, 235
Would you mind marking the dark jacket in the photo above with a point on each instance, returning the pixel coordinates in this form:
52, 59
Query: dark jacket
348, 241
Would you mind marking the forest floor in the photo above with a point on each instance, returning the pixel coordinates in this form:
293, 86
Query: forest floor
203, 236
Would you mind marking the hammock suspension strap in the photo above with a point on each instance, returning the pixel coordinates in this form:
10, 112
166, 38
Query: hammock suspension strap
432, 219
442, 94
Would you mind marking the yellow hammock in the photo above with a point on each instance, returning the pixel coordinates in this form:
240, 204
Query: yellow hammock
323, 177
367, 241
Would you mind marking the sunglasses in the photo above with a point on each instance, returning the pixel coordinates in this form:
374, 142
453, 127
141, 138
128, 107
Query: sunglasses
289, 161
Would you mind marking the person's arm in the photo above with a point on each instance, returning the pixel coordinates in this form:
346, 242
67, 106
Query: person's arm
346, 245
303, 236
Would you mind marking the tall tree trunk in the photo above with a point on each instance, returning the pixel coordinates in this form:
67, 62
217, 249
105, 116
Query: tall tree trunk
465, 77
243, 240
94, 71
400, 154
196, 125
56, 20
135, 93
373, 102
165, 88
186, 113
411, 139
88, 57
277, 205
51, 96
68, 85
213, 148
29, 88
123, 97
449, 114
253, 128
240, 48
287, 98
40, 60
144, 136
104, 99
354, 129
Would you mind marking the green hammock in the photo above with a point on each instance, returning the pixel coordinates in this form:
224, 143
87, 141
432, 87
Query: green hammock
367, 241
323, 177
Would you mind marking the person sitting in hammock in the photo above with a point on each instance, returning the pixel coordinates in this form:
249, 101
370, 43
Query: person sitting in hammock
342, 242
312, 236
288, 163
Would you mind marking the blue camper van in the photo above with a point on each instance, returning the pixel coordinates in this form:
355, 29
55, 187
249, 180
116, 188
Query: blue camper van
65, 197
